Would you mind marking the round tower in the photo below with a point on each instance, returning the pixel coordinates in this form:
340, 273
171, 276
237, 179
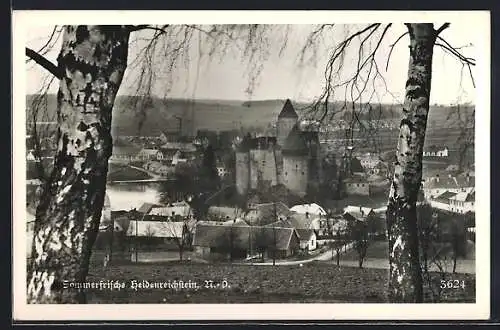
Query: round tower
295, 162
243, 166
287, 119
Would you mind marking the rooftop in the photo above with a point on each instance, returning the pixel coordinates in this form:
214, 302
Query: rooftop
208, 235
162, 229
288, 111
447, 182
305, 234
312, 208
295, 143
358, 212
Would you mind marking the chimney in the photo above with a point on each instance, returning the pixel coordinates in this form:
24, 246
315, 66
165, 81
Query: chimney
468, 177
173, 214
307, 215
437, 177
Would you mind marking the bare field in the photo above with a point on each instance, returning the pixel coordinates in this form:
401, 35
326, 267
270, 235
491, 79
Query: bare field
313, 283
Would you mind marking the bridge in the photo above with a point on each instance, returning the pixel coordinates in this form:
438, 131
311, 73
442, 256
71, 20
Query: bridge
155, 178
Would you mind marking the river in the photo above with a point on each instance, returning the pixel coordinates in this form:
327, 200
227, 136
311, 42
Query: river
131, 195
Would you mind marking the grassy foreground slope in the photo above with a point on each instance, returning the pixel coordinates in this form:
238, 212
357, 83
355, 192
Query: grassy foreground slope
313, 283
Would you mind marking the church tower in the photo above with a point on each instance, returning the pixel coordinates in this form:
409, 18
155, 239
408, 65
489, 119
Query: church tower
287, 119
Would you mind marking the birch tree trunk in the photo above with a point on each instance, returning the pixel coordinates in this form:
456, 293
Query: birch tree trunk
405, 282
92, 61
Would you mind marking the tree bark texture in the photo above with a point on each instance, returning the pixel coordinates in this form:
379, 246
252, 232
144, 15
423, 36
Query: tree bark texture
93, 60
405, 282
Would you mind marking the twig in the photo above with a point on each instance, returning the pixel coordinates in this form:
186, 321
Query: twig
392, 48
455, 52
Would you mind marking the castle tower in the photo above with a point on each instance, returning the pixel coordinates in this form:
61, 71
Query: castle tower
287, 119
243, 166
263, 166
311, 138
295, 162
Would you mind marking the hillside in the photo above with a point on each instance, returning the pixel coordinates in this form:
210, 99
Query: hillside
137, 116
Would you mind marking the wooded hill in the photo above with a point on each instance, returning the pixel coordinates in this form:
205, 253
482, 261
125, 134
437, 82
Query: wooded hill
140, 116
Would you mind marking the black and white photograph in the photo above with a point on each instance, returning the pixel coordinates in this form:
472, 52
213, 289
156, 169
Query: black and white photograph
251, 164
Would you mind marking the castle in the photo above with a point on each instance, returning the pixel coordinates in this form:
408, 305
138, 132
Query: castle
289, 156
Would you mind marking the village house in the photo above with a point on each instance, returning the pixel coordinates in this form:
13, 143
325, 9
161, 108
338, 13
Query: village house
124, 154
168, 150
357, 185
179, 157
164, 154
298, 221
358, 213
243, 241
265, 213
457, 202
221, 213
437, 185
435, 151
178, 209
312, 208
308, 239
148, 154
177, 145
339, 227
160, 230
147, 207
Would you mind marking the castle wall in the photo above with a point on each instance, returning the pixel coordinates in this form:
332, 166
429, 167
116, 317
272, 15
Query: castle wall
263, 167
295, 173
242, 172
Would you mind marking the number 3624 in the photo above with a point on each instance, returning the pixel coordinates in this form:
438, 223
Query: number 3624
452, 284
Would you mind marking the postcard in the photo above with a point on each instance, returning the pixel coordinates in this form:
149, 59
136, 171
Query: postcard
251, 165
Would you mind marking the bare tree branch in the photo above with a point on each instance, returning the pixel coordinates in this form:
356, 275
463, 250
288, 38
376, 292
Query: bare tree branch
134, 28
392, 48
44, 62
455, 52
442, 28
466, 61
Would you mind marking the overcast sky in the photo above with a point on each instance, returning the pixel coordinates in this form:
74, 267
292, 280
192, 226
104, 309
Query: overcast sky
282, 76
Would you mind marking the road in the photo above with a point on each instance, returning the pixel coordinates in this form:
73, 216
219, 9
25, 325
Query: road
324, 256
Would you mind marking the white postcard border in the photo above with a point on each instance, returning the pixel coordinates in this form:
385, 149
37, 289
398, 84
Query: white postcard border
479, 310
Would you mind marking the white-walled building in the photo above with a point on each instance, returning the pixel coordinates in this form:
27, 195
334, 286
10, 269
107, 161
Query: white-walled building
438, 185
457, 202
312, 208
